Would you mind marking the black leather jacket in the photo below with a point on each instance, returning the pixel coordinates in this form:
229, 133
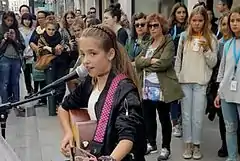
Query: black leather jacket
121, 126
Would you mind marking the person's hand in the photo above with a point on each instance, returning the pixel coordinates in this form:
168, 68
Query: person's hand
58, 49
217, 103
6, 35
12, 34
66, 144
48, 48
204, 44
154, 60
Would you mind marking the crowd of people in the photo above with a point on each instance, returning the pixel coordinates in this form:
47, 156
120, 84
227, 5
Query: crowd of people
180, 68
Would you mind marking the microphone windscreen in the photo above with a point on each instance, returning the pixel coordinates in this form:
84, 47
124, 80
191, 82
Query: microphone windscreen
82, 71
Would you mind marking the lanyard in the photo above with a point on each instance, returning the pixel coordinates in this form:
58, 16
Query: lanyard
236, 57
235, 53
135, 47
174, 32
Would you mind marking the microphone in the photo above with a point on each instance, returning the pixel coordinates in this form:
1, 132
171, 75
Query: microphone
80, 72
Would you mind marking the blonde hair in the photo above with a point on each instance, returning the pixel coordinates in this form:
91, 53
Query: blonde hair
79, 23
121, 62
206, 32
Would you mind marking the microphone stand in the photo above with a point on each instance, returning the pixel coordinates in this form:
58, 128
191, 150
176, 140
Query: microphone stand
7, 106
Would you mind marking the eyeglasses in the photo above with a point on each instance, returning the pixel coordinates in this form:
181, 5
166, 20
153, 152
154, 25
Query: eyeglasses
156, 25
139, 25
92, 12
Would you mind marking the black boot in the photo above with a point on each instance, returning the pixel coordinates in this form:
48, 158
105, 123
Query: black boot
222, 152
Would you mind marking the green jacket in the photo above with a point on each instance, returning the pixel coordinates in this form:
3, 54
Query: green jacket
169, 84
133, 48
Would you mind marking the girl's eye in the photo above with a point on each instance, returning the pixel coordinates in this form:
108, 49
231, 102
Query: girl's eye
82, 54
92, 53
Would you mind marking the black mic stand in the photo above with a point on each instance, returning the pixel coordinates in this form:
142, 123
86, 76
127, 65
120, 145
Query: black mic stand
7, 106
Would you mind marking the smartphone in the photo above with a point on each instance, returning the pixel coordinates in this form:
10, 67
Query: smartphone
72, 37
11, 31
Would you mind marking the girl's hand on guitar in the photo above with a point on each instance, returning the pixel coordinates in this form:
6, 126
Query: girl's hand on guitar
66, 144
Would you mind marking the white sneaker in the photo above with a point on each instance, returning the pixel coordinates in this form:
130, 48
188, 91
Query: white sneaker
177, 131
164, 154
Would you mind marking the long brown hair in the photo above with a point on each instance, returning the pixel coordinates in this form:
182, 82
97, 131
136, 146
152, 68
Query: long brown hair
121, 62
233, 10
172, 18
64, 20
206, 32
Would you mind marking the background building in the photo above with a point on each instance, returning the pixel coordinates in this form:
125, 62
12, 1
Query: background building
15, 4
4, 5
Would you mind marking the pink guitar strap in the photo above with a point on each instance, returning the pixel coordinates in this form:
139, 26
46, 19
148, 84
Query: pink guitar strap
107, 107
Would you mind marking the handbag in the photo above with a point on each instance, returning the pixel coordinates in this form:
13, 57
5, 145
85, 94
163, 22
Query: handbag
45, 58
88, 133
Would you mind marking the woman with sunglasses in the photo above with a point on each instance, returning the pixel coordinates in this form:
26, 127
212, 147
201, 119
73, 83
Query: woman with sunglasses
138, 35
159, 82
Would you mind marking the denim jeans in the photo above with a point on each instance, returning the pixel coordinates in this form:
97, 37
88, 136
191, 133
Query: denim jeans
175, 111
9, 75
230, 115
193, 105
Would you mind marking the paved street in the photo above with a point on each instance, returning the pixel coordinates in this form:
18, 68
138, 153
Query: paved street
37, 138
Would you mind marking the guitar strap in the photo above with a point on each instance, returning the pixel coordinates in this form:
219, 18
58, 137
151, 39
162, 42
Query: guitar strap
101, 128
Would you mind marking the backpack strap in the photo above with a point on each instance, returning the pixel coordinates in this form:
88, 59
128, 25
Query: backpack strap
101, 128
183, 35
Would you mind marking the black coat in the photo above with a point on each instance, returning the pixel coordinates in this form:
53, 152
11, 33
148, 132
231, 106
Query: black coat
120, 126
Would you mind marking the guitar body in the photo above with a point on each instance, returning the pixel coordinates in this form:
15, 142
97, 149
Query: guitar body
82, 127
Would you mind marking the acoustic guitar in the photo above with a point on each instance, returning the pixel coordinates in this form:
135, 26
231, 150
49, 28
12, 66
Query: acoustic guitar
82, 127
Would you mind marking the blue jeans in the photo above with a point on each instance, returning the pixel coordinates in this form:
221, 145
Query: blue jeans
9, 75
175, 111
230, 115
193, 105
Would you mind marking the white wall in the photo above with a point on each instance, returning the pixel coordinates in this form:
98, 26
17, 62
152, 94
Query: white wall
146, 6
126, 7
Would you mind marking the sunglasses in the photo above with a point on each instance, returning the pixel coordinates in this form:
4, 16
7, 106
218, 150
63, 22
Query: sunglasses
156, 25
139, 25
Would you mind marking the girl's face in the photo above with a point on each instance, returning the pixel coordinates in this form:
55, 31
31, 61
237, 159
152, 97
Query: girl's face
93, 53
235, 23
26, 22
181, 14
109, 20
9, 21
224, 26
140, 26
155, 28
197, 23
77, 31
41, 18
70, 19
50, 29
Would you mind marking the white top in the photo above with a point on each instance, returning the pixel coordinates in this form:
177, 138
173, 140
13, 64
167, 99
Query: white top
194, 66
91, 103
152, 77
